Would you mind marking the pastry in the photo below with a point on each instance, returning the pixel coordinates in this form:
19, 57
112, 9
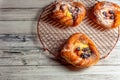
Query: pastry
68, 13
106, 14
80, 51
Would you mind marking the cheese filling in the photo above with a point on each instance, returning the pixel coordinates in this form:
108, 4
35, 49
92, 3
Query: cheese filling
82, 49
68, 9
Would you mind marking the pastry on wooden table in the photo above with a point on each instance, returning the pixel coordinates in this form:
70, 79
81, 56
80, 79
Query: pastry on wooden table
106, 14
69, 13
80, 51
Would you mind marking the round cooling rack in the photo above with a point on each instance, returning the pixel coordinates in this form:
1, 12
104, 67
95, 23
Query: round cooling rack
53, 35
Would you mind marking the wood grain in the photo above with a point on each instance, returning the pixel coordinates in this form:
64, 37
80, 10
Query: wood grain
24, 3
22, 56
20, 14
58, 72
15, 27
58, 77
15, 51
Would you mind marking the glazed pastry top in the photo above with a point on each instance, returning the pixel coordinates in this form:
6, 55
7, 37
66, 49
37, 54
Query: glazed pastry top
80, 51
106, 14
81, 48
69, 9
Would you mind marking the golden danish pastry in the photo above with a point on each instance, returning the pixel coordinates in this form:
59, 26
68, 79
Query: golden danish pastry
80, 51
69, 13
106, 14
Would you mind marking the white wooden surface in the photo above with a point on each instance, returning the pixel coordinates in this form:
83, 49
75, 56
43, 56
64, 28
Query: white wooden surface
21, 55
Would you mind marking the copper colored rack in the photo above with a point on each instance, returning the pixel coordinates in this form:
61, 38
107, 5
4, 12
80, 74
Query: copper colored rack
53, 35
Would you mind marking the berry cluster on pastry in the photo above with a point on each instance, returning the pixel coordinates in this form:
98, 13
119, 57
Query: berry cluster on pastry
69, 13
106, 14
80, 51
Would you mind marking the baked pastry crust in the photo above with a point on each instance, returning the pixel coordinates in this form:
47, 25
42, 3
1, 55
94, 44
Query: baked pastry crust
80, 51
106, 14
69, 13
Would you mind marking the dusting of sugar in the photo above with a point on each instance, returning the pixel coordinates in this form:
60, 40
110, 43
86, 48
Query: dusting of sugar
100, 17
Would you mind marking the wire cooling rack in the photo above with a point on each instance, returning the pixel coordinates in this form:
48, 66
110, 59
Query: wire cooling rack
53, 35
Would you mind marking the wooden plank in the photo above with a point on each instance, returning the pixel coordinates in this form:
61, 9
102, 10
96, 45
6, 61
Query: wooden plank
23, 41
24, 3
59, 77
19, 14
18, 27
57, 70
30, 3
20, 41
9, 41
38, 57
21, 55
14, 50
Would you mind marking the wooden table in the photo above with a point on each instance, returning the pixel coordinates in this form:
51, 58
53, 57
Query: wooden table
21, 55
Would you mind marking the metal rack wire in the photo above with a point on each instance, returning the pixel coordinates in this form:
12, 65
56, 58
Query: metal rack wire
53, 35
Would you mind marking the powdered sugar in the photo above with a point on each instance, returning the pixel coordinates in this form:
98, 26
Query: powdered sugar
101, 18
